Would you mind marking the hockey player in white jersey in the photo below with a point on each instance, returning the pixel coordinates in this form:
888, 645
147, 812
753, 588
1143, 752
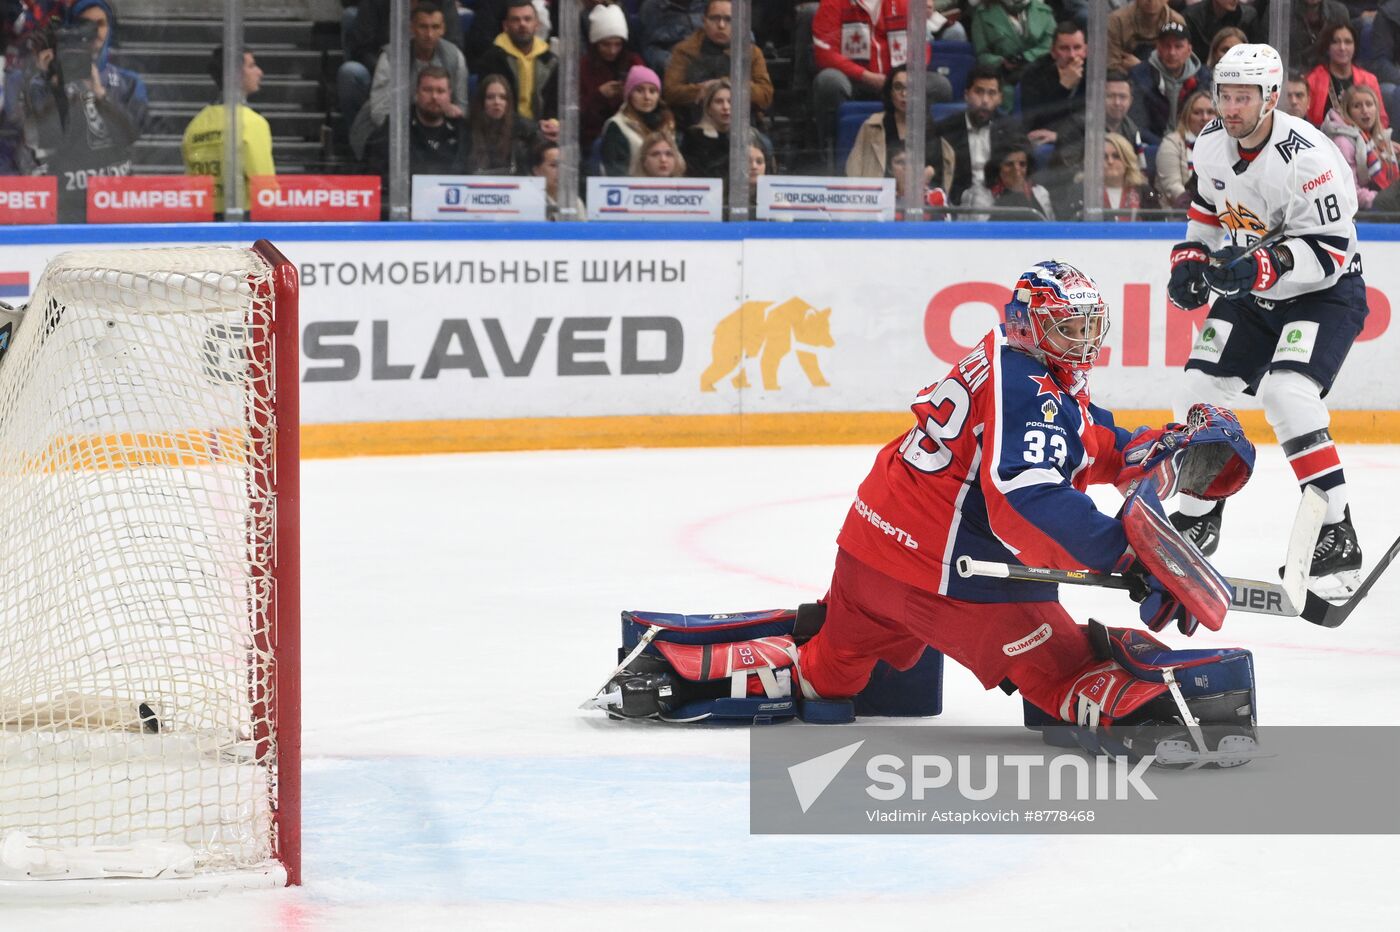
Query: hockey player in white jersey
1270, 231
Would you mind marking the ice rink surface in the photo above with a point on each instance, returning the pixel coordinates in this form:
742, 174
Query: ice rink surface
458, 608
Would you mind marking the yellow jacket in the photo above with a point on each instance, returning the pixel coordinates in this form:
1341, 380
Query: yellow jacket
203, 148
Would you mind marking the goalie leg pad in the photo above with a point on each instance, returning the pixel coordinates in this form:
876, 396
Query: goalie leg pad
1188, 707
741, 667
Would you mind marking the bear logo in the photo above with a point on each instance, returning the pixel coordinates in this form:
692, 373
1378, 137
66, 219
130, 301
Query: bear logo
767, 332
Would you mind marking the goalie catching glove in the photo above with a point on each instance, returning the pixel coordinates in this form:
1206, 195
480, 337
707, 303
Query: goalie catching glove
1208, 457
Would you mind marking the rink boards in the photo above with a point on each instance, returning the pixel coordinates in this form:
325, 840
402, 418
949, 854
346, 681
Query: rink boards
450, 337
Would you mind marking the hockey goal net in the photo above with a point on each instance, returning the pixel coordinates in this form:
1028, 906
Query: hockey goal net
149, 694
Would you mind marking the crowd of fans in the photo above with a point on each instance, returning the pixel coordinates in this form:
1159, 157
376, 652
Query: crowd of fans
655, 96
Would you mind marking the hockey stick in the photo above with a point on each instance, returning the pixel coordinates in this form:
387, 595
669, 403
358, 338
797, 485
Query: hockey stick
1321, 612
1247, 595
642, 643
1273, 236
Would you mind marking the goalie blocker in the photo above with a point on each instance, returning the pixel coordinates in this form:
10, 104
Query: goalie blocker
740, 668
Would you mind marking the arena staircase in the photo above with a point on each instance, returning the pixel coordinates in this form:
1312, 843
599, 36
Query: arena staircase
298, 58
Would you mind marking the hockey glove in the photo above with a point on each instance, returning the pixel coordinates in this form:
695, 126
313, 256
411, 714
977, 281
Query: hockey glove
1237, 269
1157, 607
1187, 288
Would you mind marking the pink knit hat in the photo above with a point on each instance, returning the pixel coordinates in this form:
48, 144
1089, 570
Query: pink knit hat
637, 76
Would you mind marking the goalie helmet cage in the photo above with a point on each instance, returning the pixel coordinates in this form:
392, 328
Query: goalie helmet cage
149, 597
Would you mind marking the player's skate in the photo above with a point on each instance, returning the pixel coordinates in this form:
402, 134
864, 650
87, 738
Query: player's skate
1336, 565
1201, 530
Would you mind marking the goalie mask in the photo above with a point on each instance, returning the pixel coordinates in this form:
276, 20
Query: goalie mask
1057, 315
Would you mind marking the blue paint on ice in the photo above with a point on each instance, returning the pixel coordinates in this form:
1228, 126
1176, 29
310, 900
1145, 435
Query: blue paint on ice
534, 829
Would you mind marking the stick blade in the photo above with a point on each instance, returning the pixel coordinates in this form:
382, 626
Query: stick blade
1329, 615
1307, 524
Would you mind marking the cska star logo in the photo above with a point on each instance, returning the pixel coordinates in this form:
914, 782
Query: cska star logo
1239, 219
1046, 386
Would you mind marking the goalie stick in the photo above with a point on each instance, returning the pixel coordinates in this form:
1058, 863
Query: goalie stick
1256, 596
1330, 615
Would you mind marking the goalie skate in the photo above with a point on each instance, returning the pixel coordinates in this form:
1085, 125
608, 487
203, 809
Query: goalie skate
1231, 750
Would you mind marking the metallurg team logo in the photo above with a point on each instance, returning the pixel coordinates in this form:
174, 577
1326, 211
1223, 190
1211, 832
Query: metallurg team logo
1239, 219
768, 332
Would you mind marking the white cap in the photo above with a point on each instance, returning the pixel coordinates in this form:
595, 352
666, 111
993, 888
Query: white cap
606, 22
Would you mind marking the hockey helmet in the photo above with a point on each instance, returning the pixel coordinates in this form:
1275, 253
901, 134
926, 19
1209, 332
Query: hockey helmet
1057, 314
1254, 65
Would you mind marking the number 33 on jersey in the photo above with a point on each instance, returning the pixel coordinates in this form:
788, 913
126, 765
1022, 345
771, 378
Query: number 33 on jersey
995, 468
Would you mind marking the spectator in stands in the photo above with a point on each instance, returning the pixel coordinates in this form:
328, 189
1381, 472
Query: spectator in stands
426, 47
855, 46
881, 131
1364, 142
664, 23
975, 133
365, 36
658, 157
1164, 81
603, 71
1065, 176
437, 143
544, 163
499, 139
63, 121
1310, 19
1007, 183
1205, 19
1010, 34
705, 145
642, 113
1133, 31
1337, 73
951, 28
1296, 99
1384, 59
1052, 88
203, 144
760, 161
1224, 40
527, 62
1125, 186
703, 58
1176, 172
124, 86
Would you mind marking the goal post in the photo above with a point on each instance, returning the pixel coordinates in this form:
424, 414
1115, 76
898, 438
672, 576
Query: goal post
149, 575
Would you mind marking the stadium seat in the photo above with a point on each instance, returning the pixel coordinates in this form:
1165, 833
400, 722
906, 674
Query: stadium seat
594, 163
939, 112
849, 118
1040, 155
951, 47
953, 60
1363, 25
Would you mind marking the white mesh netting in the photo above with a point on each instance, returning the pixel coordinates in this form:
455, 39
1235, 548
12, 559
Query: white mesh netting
136, 523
